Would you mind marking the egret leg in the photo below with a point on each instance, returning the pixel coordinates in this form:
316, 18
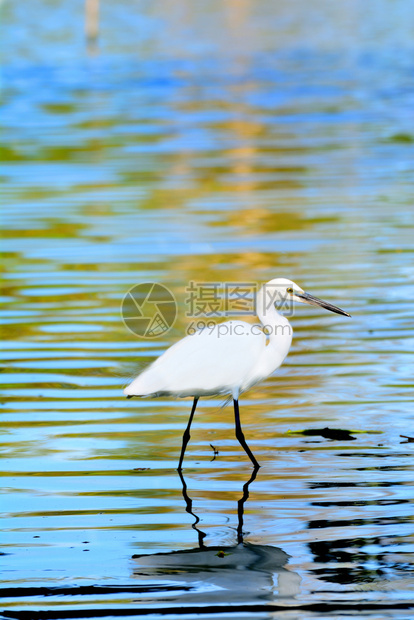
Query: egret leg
186, 436
240, 436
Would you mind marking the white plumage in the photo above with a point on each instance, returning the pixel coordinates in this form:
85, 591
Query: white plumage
206, 363
228, 358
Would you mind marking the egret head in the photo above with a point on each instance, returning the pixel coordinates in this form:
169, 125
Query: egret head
289, 292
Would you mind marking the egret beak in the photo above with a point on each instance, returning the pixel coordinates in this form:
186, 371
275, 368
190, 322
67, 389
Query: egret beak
307, 298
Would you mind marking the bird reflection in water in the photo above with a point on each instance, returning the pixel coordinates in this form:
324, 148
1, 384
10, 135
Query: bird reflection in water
241, 573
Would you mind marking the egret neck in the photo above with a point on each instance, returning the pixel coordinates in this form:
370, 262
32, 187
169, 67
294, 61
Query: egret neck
277, 329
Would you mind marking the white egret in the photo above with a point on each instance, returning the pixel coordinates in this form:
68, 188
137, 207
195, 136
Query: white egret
227, 358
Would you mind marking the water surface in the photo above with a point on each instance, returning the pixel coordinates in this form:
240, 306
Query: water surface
207, 142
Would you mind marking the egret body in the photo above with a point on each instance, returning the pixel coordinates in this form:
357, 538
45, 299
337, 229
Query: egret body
227, 358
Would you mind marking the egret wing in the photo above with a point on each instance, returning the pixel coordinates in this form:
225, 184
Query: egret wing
212, 361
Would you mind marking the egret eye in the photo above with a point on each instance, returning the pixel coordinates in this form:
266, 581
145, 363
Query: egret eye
289, 290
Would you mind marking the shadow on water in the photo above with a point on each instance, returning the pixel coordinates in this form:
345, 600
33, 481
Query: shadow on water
254, 577
240, 573
240, 578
